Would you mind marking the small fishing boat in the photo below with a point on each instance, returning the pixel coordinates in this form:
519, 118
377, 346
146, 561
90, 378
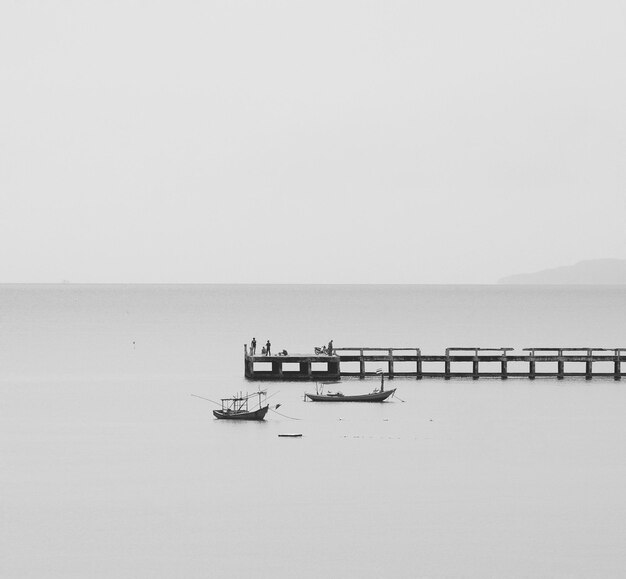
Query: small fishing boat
236, 408
377, 395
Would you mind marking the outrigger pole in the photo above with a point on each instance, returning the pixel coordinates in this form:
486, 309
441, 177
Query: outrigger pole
203, 398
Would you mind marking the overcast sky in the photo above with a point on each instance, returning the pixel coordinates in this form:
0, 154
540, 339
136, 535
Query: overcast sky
332, 142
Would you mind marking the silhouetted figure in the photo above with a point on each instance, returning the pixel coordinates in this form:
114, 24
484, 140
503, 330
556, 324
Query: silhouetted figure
268, 348
253, 347
330, 348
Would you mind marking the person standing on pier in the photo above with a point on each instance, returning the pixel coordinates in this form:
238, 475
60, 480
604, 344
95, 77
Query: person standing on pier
268, 347
253, 347
330, 348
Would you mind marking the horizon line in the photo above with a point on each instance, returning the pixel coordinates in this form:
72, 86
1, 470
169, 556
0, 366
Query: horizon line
496, 283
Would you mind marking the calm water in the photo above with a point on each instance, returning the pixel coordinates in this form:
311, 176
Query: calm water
109, 468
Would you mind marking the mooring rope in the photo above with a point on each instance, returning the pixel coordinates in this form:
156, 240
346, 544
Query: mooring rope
280, 414
398, 397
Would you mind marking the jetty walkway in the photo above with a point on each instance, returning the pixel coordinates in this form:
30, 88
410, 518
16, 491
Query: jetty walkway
458, 362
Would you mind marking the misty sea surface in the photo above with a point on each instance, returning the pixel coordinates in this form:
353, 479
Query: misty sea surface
110, 468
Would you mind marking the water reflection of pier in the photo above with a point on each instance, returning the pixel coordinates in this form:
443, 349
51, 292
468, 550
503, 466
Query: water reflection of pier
470, 362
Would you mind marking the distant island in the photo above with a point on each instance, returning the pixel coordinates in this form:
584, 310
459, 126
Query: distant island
589, 272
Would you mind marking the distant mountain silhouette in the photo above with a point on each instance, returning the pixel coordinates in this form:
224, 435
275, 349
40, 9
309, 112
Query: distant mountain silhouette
592, 272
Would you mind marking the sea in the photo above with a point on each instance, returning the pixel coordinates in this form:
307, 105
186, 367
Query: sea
110, 468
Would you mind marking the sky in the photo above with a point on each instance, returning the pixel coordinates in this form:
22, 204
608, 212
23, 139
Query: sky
309, 142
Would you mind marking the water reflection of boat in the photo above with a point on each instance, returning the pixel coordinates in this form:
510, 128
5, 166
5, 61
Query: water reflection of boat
236, 408
377, 395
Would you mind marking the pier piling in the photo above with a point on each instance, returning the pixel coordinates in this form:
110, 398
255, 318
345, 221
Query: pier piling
560, 366
504, 374
418, 364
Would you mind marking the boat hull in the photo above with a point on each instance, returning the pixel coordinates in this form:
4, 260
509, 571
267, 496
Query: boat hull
258, 414
371, 397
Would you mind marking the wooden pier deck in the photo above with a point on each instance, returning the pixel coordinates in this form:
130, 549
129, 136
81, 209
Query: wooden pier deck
503, 363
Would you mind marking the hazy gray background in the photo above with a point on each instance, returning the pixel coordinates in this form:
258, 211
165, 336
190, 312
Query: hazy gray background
343, 141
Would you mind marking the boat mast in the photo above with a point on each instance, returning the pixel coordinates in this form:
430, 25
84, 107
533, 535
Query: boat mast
382, 379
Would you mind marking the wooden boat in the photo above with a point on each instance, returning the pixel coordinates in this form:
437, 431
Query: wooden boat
377, 395
374, 396
236, 408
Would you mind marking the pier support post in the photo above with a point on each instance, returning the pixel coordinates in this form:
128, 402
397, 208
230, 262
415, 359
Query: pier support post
418, 369
589, 365
617, 368
504, 368
305, 369
447, 365
475, 366
248, 368
361, 366
333, 369
531, 365
560, 366
390, 363
277, 369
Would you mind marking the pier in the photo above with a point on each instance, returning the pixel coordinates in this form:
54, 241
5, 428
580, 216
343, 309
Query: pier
457, 362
